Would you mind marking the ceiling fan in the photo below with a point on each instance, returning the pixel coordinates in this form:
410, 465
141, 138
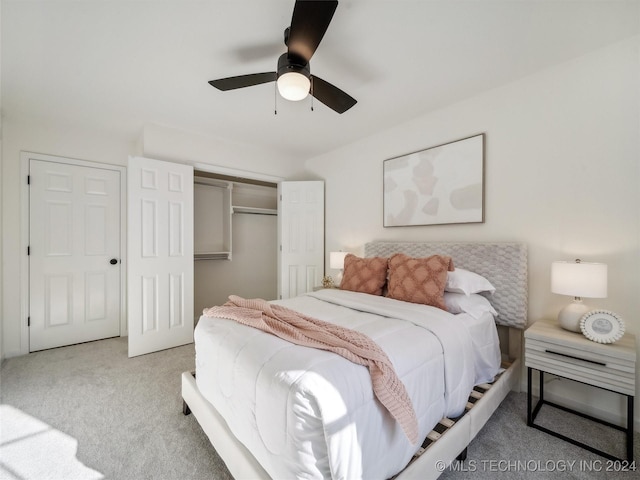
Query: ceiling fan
293, 77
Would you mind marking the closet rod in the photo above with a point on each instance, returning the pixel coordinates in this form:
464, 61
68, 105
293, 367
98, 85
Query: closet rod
255, 210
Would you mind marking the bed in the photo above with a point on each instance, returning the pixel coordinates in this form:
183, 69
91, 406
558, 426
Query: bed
318, 418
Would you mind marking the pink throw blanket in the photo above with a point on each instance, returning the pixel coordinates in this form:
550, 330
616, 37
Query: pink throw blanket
350, 344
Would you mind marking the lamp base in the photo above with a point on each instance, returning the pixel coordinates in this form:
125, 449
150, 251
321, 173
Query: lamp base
569, 317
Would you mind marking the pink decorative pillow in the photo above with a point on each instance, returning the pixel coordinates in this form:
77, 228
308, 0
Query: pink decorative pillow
365, 275
419, 280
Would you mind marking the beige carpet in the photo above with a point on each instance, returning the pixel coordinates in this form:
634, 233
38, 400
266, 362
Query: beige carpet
124, 416
89, 412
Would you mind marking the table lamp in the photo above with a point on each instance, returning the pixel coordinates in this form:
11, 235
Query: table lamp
336, 262
577, 279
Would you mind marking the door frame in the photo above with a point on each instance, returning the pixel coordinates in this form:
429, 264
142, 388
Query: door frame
24, 236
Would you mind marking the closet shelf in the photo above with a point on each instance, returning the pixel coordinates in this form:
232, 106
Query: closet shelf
212, 256
254, 210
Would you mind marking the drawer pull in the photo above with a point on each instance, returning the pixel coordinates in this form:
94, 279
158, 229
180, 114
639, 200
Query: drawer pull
576, 358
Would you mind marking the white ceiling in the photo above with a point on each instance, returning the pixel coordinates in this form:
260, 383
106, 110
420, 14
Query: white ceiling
119, 65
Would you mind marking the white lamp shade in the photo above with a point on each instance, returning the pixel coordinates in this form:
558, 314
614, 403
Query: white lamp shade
579, 279
293, 86
336, 260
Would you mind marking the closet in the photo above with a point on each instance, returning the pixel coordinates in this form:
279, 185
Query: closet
235, 239
193, 240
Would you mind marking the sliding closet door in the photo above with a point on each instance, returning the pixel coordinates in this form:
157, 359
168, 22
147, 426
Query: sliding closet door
301, 231
160, 253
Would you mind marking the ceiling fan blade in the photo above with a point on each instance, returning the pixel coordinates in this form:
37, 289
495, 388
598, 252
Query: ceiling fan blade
330, 95
309, 23
241, 81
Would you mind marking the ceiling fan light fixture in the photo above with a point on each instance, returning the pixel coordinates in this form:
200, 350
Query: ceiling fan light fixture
293, 86
309, 23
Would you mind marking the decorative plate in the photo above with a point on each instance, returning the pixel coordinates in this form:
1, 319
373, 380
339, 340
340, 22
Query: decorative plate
602, 326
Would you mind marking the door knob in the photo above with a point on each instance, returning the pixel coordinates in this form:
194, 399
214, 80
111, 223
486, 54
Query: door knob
113, 261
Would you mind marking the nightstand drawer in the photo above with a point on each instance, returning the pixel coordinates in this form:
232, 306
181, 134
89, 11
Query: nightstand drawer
553, 350
598, 370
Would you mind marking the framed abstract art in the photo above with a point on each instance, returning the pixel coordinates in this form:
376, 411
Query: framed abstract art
439, 185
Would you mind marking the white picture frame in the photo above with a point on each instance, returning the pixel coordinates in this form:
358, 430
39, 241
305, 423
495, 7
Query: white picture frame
602, 326
436, 186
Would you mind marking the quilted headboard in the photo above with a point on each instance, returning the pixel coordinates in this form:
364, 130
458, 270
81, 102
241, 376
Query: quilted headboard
503, 264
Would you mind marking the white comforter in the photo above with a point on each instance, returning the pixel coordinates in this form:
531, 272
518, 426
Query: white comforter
307, 413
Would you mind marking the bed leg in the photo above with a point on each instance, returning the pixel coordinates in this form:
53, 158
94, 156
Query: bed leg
463, 456
185, 408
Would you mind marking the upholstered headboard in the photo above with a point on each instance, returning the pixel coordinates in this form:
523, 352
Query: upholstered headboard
503, 264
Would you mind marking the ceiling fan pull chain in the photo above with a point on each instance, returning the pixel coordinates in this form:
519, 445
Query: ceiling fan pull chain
275, 99
312, 94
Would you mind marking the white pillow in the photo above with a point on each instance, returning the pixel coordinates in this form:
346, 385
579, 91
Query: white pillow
464, 281
474, 304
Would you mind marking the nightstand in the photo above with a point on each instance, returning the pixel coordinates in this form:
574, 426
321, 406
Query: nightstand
550, 349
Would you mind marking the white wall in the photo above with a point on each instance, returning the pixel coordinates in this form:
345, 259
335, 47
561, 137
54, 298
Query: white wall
172, 144
55, 138
1, 215
1, 256
562, 173
111, 146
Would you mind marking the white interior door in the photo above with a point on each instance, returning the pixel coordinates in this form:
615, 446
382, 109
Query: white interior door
301, 232
74, 261
160, 255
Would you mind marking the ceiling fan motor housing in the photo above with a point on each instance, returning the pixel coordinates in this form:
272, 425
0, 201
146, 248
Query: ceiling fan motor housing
286, 64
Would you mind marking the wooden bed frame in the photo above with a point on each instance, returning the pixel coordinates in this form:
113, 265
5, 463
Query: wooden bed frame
505, 265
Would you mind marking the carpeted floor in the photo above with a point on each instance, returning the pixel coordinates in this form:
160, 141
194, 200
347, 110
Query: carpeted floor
125, 413
89, 412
